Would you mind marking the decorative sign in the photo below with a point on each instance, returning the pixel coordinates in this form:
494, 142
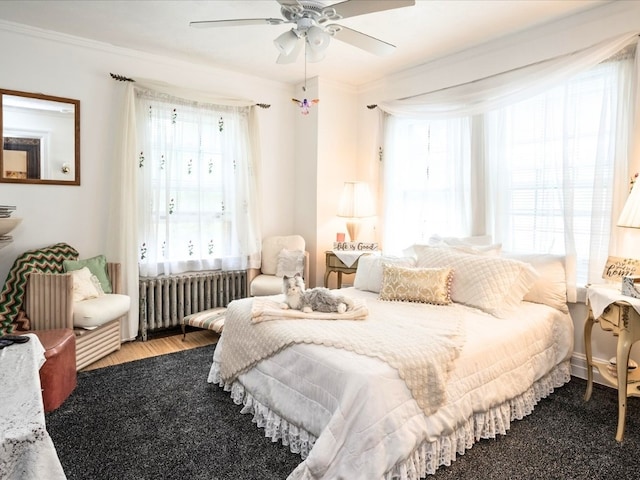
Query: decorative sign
618, 267
356, 246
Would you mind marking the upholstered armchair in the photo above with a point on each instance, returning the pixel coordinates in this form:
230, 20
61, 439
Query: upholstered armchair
52, 302
281, 255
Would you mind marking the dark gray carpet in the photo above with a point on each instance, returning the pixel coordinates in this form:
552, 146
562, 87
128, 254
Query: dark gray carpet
158, 419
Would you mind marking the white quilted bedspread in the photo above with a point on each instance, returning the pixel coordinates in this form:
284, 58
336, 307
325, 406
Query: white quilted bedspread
361, 419
422, 349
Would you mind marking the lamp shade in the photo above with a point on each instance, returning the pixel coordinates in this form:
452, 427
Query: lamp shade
355, 203
630, 216
286, 42
314, 56
318, 39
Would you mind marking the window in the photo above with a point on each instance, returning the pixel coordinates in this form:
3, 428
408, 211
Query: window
537, 175
557, 168
427, 190
194, 185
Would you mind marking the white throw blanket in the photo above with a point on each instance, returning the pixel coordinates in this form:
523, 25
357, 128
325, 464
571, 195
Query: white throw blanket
422, 350
265, 308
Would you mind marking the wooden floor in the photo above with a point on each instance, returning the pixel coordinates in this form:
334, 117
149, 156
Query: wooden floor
159, 346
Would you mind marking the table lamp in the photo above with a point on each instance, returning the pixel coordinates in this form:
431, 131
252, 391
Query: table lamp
630, 218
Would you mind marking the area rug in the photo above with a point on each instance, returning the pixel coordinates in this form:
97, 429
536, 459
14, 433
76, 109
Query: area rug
158, 418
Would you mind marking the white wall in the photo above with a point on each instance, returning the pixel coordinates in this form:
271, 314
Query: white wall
326, 148
546, 41
337, 162
37, 61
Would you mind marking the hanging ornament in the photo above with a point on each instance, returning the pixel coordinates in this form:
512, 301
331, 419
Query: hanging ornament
305, 104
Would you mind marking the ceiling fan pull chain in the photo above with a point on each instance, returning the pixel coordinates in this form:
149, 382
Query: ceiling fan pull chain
304, 88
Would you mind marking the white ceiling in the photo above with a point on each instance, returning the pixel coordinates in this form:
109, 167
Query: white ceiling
423, 32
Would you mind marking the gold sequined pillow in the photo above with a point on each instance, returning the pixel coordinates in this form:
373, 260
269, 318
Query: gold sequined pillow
424, 285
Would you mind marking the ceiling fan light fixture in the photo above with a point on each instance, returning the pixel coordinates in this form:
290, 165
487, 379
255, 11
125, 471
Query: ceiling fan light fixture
317, 39
286, 42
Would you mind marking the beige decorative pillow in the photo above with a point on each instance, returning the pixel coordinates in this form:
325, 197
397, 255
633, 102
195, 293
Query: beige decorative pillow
424, 285
369, 273
84, 285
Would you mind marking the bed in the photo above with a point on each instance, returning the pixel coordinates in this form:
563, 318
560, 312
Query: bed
498, 337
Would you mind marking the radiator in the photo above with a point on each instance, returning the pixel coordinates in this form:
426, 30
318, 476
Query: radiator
166, 300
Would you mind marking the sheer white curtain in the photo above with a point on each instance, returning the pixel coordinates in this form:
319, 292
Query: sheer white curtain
199, 209
195, 185
558, 164
490, 107
506, 88
122, 244
426, 178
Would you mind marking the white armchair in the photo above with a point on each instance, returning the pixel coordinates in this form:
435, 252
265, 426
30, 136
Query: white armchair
96, 321
280, 255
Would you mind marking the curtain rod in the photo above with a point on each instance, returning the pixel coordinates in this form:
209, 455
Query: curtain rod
122, 78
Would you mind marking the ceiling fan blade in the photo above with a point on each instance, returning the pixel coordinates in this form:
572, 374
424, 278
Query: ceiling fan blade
236, 22
352, 8
293, 56
362, 40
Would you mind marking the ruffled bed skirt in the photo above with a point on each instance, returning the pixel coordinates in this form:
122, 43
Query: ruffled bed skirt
425, 459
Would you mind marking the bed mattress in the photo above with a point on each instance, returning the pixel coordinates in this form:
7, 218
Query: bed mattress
351, 416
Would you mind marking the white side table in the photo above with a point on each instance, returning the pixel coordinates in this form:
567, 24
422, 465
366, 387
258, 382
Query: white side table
620, 315
26, 449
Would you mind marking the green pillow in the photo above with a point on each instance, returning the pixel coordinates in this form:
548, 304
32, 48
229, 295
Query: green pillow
96, 265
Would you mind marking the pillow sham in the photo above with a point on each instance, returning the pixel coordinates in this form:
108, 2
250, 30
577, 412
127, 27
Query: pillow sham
289, 263
550, 288
492, 284
96, 265
480, 244
409, 284
478, 240
85, 285
369, 272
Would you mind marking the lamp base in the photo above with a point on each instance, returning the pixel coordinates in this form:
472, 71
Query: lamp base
353, 228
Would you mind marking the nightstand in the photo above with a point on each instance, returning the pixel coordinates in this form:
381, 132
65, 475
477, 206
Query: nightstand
617, 314
334, 264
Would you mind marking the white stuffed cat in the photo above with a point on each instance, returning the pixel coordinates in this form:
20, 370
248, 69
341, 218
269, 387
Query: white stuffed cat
317, 299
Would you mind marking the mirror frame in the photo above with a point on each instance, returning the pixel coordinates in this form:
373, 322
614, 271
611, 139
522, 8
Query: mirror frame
76, 104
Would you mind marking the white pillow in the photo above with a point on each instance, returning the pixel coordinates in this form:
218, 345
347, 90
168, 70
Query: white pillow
271, 247
480, 240
480, 244
289, 263
551, 286
369, 272
492, 284
85, 285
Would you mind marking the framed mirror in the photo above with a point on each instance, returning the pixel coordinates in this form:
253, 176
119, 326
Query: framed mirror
40, 139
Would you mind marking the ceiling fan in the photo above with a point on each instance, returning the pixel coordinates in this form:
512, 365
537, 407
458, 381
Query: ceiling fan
313, 28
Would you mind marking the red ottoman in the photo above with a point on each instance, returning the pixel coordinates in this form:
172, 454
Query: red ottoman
58, 375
